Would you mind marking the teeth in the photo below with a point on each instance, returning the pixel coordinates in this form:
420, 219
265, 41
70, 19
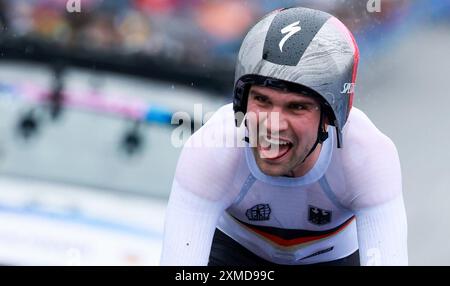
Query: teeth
277, 142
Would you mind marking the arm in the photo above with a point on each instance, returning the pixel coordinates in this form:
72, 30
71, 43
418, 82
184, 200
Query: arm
380, 211
189, 228
382, 234
201, 191
374, 193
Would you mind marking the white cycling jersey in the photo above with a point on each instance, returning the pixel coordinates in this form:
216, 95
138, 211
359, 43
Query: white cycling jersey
351, 199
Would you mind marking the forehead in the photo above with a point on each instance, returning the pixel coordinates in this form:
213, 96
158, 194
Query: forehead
274, 94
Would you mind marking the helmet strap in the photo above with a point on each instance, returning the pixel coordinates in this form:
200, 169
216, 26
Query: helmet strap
322, 135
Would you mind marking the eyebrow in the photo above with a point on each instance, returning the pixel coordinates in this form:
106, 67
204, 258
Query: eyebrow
303, 100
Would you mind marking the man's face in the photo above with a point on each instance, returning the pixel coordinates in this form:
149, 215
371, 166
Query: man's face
285, 125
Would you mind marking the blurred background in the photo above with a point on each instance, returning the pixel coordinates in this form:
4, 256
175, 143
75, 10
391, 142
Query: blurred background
88, 89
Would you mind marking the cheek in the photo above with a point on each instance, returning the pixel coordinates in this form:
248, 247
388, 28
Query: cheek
255, 115
250, 106
303, 134
252, 110
307, 126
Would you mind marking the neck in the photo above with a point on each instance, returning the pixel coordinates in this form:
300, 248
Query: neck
309, 163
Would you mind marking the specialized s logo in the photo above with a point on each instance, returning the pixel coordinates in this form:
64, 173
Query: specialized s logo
259, 212
349, 87
290, 30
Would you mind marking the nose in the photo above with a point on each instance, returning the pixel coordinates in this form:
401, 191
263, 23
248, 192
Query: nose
275, 121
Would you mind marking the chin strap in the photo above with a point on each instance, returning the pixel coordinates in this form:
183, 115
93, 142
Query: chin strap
322, 135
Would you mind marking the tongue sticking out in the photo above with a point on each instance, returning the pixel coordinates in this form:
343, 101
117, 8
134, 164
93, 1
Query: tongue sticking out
273, 151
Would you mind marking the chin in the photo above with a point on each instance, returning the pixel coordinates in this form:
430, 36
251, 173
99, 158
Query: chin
273, 171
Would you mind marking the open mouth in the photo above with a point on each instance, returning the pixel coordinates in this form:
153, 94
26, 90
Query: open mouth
274, 149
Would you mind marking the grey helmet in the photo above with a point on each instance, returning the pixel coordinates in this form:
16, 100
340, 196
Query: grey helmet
300, 49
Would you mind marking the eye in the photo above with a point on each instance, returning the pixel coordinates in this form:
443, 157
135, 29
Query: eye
296, 106
260, 98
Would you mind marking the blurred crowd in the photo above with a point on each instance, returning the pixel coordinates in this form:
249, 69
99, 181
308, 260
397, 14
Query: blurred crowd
174, 29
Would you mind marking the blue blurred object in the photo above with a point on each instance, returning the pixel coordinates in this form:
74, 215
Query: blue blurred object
158, 114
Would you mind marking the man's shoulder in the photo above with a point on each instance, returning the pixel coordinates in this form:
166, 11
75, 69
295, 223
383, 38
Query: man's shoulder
217, 142
223, 112
223, 118
362, 136
220, 119
370, 163
208, 163
219, 130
